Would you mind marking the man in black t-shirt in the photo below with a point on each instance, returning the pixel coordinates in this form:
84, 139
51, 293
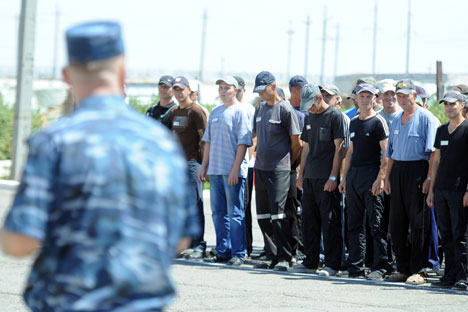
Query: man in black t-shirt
322, 136
363, 181
449, 191
162, 110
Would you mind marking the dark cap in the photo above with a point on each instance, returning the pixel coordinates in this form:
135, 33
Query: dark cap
366, 87
167, 80
452, 97
262, 80
405, 86
240, 82
463, 89
297, 81
308, 94
181, 82
421, 92
280, 92
94, 41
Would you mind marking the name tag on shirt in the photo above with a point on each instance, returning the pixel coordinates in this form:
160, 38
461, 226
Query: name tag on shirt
352, 135
444, 143
214, 120
274, 121
175, 123
308, 127
396, 132
258, 119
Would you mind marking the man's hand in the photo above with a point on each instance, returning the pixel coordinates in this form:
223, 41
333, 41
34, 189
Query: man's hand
299, 182
465, 200
342, 186
330, 186
430, 199
378, 186
387, 188
233, 177
426, 185
202, 177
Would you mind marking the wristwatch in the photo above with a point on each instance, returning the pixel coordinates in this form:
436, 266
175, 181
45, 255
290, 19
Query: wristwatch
333, 178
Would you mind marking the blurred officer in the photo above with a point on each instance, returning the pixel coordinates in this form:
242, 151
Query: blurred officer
448, 192
97, 193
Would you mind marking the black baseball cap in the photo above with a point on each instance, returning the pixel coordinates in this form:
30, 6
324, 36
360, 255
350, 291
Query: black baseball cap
452, 97
240, 82
463, 89
421, 92
297, 81
167, 80
181, 82
262, 80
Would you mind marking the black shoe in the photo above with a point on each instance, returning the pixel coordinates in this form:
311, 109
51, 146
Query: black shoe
259, 256
235, 261
265, 264
216, 259
443, 283
460, 285
196, 255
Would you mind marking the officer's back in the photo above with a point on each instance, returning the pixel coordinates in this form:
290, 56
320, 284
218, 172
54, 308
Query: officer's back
96, 192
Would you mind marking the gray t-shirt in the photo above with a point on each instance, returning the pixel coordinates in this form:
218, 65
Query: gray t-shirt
274, 125
320, 131
390, 117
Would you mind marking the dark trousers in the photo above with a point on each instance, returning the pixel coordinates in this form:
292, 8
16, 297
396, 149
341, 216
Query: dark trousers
385, 227
365, 209
271, 191
321, 213
409, 217
452, 219
248, 209
292, 208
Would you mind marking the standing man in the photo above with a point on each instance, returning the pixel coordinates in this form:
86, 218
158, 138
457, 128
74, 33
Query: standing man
295, 86
251, 162
410, 145
277, 129
189, 123
162, 110
226, 140
320, 167
363, 182
448, 192
97, 194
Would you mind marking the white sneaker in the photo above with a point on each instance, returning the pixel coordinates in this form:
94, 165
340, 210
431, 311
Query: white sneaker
327, 271
300, 268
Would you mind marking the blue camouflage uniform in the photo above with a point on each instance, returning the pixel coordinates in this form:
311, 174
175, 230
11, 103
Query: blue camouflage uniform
98, 192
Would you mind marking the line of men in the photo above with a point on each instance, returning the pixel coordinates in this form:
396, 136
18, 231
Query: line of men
384, 161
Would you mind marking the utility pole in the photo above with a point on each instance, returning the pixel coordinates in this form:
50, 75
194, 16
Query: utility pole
202, 52
439, 81
324, 40
374, 48
24, 81
408, 39
337, 42
306, 55
290, 33
56, 40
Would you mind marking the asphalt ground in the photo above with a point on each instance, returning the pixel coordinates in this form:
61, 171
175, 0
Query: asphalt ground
218, 287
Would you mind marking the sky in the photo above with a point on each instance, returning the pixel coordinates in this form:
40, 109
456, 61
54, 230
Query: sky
251, 36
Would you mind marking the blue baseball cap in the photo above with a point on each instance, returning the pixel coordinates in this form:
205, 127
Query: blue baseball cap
181, 82
297, 81
262, 80
308, 94
421, 92
366, 87
94, 41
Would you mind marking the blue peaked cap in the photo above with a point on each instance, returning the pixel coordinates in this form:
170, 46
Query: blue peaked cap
94, 41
